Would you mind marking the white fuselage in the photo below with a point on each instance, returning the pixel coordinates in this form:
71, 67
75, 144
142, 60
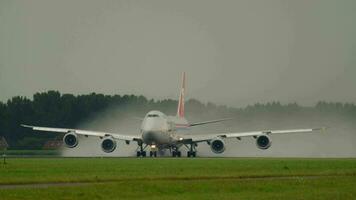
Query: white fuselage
159, 129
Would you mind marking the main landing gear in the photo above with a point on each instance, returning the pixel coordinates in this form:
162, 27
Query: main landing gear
153, 153
176, 153
141, 152
192, 152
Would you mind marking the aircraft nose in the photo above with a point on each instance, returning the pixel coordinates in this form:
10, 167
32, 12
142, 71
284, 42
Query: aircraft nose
149, 137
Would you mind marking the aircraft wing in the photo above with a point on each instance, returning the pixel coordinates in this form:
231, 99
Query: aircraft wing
84, 132
202, 138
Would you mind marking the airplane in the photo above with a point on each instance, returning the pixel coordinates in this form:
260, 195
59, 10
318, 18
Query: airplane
161, 132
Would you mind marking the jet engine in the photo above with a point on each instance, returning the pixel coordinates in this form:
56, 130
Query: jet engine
263, 142
108, 144
70, 139
217, 145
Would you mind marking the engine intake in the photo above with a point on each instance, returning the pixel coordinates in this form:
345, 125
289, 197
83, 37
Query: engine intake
263, 142
108, 145
217, 145
70, 139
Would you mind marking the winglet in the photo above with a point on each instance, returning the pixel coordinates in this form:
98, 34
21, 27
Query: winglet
322, 129
180, 109
26, 126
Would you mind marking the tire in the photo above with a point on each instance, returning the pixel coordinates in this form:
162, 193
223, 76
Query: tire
138, 154
143, 153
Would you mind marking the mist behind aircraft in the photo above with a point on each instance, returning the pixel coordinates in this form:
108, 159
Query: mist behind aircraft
336, 141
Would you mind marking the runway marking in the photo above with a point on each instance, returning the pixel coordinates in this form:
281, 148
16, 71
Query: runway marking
194, 178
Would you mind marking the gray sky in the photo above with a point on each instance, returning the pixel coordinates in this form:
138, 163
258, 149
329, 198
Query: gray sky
234, 52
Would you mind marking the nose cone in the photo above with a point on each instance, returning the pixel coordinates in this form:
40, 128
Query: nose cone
153, 128
150, 137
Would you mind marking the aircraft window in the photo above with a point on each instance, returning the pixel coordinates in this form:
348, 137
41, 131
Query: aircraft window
153, 115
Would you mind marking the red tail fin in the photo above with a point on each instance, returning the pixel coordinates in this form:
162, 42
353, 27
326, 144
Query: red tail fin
180, 110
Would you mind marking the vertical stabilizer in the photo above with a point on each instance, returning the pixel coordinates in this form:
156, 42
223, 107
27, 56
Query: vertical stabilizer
180, 110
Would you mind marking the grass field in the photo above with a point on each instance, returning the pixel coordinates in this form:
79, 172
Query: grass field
168, 178
31, 153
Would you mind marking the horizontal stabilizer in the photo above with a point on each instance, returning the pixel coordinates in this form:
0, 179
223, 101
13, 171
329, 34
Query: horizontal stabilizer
210, 122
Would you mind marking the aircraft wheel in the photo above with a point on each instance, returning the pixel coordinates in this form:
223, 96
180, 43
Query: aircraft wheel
191, 154
143, 153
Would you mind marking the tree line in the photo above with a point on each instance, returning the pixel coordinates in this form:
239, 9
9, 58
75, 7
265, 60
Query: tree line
54, 109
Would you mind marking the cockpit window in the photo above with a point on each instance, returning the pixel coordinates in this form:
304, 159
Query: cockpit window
152, 115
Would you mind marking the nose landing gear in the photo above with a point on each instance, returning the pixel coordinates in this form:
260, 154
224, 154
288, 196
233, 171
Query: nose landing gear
153, 152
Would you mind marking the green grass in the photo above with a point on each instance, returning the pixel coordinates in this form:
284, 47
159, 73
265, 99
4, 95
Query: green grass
167, 178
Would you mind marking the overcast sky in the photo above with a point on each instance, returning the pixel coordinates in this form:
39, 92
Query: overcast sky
234, 52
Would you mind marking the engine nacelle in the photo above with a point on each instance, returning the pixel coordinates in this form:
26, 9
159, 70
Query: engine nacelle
70, 139
263, 142
217, 145
108, 144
